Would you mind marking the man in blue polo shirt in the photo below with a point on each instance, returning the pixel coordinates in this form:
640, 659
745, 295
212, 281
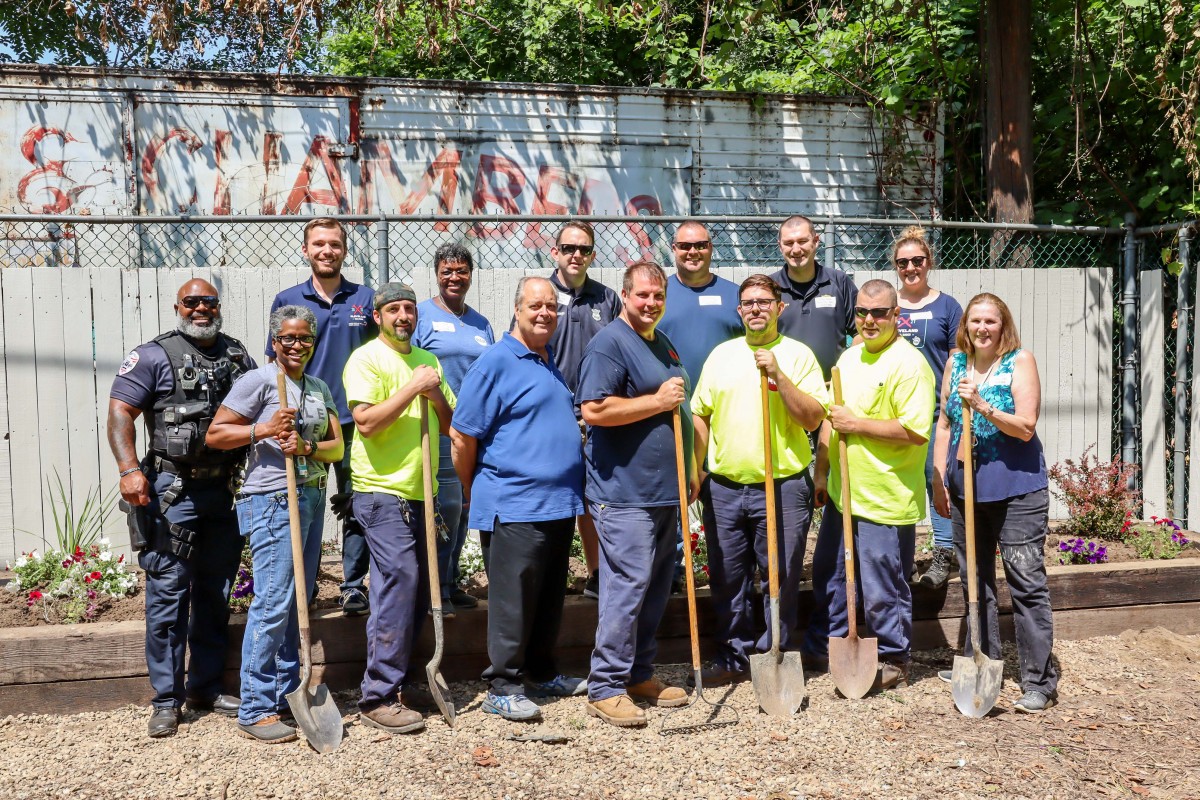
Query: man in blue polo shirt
344, 322
820, 300
525, 488
585, 306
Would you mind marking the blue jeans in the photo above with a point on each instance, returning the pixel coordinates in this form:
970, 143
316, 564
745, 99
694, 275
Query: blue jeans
187, 599
270, 648
450, 503
886, 600
943, 531
637, 560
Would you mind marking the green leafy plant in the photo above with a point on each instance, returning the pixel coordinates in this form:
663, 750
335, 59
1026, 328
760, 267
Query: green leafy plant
1158, 537
1097, 495
71, 585
470, 560
80, 527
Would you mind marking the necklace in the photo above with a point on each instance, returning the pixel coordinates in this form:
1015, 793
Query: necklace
457, 314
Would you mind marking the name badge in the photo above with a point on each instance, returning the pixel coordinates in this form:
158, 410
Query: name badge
1001, 380
443, 327
826, 301
710, 300
564, 299
920, 315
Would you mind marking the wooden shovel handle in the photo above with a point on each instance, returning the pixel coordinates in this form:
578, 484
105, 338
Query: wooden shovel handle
294, 525
689, 576
847, 517
969, 503
769, 487
435, 584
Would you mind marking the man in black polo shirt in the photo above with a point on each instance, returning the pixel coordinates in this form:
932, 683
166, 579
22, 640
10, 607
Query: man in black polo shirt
584, 307
820, 300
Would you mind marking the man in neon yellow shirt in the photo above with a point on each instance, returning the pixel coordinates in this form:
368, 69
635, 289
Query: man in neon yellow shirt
886, 419
727, 409
383, 380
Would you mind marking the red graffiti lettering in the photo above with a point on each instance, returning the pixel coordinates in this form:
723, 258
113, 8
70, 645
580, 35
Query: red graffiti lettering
272, 166
302, 191
60, 201
487, 192
442, 172
191, 143
221, 201
650, 205
548, 178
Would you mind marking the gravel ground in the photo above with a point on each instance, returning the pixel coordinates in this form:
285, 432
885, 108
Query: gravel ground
1127, 726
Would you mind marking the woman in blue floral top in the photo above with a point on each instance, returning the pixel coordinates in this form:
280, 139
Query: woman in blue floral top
999, 381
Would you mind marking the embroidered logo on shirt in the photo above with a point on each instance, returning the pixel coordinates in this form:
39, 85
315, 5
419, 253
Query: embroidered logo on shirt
479, 340
129, 363
358, 314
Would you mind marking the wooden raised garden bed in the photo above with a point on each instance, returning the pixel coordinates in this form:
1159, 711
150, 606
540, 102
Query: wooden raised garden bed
92, 667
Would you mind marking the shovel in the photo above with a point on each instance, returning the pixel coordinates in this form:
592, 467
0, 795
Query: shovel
713, 716
974, 682
778, 677
437, 684
853, 662
313, 707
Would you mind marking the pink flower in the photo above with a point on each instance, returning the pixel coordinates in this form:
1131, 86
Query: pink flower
67, 564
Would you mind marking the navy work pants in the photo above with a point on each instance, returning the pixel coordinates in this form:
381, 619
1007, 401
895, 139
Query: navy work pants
355, 557
187, 599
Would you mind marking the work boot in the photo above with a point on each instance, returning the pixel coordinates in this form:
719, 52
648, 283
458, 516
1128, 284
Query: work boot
393, 718
891, 676
939, 571
657, 693
618, 710
591, 589
1034, 702
224, 704
461, 599
268, 730
163, 722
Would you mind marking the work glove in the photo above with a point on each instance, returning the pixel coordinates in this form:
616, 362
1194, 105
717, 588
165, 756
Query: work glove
340, 503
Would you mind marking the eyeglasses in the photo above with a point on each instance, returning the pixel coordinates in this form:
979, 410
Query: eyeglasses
692, 245
460, 272
916, 261
755, 303
287, 340
572, 249
874, 313
196, 300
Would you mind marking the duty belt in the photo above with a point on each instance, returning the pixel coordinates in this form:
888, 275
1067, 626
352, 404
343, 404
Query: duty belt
192, 473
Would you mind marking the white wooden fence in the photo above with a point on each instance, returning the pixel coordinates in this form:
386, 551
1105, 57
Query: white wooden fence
65, 331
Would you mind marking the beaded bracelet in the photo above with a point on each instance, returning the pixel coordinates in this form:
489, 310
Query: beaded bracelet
130, 471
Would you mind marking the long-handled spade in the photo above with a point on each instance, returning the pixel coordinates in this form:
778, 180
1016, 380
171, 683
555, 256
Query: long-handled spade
853, 662
313, 707
717, 715
974, 682
778, 677
437, 684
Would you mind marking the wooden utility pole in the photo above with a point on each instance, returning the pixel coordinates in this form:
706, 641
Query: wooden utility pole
1009, 111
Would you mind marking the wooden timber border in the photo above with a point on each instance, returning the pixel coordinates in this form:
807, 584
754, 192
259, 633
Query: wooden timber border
58, 669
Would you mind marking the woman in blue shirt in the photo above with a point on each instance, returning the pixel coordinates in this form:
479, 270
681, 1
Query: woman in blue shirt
457, 334
929, 321
1000, 382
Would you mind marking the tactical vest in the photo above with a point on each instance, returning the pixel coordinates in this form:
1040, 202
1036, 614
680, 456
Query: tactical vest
181, 419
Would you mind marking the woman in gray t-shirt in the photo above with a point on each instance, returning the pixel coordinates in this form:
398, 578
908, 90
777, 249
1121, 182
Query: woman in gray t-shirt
250, 416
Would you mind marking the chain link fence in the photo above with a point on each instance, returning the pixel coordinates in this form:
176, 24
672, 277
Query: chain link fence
396, 248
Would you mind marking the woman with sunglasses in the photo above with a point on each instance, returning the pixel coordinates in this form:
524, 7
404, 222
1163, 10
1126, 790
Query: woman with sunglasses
457, 334
250, 416
929, 321
999, 381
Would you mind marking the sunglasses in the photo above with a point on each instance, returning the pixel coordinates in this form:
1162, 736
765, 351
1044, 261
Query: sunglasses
692, 245
196, 300
874, 313
916, 261
572, 249
287, 340
755, 303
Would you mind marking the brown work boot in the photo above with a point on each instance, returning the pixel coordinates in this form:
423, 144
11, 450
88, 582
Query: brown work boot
891, 676
393, 718
657, 693
618, 710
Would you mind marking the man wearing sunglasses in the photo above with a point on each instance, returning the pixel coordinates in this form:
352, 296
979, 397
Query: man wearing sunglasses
179, 502
344, 323
585, 306
820, 300
886, 419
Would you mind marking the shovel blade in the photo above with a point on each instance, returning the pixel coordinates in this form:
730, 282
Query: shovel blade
853, 664
318, 716
437, 683
975, 683
778, 680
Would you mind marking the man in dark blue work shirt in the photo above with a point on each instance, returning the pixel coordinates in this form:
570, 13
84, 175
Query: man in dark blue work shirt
344, 322
585, 306
820, 300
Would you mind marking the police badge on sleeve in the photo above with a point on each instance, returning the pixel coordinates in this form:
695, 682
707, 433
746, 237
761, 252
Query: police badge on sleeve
129, 363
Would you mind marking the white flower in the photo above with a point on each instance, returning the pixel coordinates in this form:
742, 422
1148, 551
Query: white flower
104, 543
105, 555
14, 585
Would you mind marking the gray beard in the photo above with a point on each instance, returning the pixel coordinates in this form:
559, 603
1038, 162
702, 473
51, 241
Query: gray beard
194, 331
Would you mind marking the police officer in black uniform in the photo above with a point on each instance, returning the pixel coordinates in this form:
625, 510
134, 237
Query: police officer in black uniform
179, 500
